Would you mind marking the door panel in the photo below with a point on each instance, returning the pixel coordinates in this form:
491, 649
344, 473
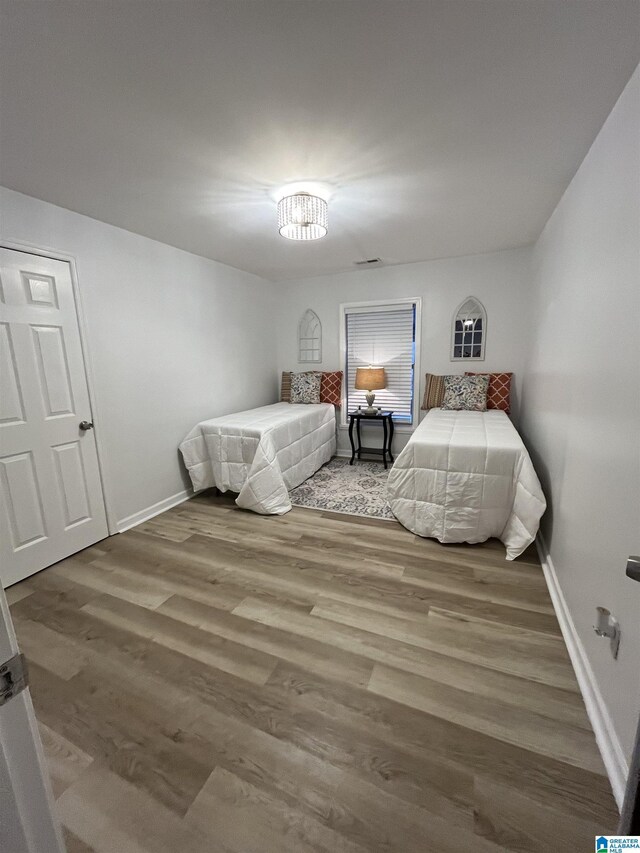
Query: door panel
72, 482
24, 504
11, 406
40, 290
52, 503
53, 367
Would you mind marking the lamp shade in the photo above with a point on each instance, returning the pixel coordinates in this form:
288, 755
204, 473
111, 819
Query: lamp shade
370, 379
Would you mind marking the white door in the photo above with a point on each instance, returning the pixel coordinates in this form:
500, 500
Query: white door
27, 820
50, 490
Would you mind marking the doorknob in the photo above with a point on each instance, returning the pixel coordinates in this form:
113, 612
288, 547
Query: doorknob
633, 568
85, 425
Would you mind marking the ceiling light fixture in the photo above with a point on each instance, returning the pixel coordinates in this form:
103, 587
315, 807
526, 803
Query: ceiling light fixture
302, 216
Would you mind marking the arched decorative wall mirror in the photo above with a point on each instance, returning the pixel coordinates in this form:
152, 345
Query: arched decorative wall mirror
469, 330
309, 337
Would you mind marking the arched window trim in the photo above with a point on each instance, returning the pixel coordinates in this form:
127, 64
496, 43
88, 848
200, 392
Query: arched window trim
309, 338
476, 312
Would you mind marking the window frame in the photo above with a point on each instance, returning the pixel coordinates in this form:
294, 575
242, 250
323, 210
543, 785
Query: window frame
483, 317
402, 302
309, 317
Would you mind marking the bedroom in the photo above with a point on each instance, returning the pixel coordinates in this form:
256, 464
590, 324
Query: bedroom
210, 678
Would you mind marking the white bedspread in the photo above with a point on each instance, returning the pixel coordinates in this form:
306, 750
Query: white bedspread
467, 476
261, 453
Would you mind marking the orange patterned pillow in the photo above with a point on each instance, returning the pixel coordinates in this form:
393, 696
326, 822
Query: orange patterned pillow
499, 390
331, 388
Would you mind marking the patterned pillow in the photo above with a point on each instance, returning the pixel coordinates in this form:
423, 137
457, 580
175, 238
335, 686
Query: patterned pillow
465, 392
498, 396
433, 391
305, 387
285, 387
331, 388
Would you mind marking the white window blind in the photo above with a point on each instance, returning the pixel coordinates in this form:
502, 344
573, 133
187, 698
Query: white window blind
382, 336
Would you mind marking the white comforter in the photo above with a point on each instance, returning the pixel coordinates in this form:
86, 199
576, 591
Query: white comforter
261, 453
467, 476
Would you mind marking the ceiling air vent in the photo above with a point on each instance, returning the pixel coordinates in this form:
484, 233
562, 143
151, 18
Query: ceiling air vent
370, 262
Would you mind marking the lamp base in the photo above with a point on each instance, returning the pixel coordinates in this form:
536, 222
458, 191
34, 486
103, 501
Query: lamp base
371, 410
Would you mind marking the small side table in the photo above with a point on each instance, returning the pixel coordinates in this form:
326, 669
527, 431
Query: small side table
386, 419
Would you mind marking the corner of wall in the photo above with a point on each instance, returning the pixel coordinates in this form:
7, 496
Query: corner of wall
599, 717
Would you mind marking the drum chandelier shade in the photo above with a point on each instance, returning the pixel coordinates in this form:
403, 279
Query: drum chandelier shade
302, 217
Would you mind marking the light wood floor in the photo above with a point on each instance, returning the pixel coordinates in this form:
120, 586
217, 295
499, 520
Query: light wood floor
221, 682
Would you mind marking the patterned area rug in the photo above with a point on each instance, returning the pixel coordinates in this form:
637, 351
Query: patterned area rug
357, 489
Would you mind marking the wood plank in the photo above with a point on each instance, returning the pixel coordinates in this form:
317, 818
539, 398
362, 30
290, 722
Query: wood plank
136, 589
299, 779
556, 703
547, 781
109, 814
49, 649
267, 572
340, 799
217, 680
510, 819
17, 592
427, 781
273, 641
163, 529
505, 648
530, 597
249, 820
66, 761
74, 844
199, 587
223, 654
88, 555
504, 722
126, 736
50, 585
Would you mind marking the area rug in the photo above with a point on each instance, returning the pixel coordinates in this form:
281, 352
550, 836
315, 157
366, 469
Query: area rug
357, 489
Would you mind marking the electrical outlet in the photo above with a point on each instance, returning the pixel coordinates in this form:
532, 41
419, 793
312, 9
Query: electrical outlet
608, 626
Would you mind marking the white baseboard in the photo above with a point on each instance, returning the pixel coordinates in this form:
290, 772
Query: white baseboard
155, 509
606, 737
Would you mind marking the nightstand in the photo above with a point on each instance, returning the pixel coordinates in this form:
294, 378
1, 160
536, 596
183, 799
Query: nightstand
383, 417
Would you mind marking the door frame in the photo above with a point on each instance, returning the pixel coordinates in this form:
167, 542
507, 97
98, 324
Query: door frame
30, 801
67, 257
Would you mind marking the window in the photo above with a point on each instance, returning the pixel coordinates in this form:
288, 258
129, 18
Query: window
309, 337
383, 335
469, 331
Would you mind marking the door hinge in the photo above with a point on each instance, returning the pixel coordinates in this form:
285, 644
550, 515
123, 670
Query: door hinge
14, 678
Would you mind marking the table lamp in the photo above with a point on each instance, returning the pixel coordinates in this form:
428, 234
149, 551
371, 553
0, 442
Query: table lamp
370, 379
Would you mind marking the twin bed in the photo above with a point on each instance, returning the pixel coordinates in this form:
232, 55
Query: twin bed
262, 453
463, 476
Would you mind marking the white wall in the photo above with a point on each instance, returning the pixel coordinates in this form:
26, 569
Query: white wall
580, 409
498, 279
173, 338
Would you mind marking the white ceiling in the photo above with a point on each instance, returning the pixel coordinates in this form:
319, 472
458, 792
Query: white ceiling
445, 127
